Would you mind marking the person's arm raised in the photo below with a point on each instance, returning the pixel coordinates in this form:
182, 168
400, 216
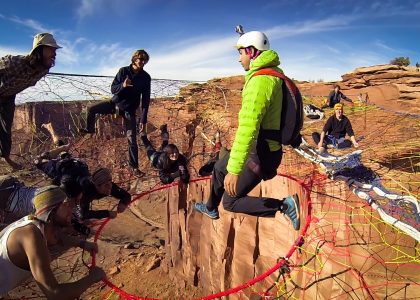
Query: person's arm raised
34, 245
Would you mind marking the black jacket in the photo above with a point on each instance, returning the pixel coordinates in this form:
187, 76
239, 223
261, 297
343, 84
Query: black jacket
338, 128
128, 98
90, 194
334, 98
169, 170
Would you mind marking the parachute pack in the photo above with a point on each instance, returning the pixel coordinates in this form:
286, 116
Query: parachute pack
75, 168
291, 115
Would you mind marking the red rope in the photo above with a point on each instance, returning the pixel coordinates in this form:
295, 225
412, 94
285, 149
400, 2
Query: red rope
305, 186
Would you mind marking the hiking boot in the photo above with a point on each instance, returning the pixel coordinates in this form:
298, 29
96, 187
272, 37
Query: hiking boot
202, 208
293, 210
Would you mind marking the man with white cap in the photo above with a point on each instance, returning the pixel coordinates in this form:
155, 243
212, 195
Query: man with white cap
24, 247
16, 74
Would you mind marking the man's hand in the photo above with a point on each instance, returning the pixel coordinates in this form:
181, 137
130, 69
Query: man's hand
319, 145
127, 82
121, 207
230, 183
356, 145
112, 214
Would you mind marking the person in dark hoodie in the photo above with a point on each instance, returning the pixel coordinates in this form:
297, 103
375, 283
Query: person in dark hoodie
131, 86
335, 97
102, 186
170, 163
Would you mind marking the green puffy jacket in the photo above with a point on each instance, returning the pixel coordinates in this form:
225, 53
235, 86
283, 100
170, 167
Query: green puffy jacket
262, 98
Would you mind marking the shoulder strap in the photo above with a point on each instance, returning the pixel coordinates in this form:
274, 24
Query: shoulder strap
270, 72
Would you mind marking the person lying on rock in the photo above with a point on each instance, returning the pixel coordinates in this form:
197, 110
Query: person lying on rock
335, 97
170, 163
67, 172
334, 132
24, 247
17, 199
102, 186
253, 156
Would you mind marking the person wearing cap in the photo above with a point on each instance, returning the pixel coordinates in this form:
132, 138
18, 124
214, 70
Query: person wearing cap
24, 247
335, 97
16, 74
131, 86
102, 186
334, 132
252, 157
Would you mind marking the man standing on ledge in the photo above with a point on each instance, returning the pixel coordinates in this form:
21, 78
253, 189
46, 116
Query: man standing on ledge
16, 74
131, 86
253, 156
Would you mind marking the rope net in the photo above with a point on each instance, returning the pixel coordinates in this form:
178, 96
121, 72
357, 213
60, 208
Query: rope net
359, 239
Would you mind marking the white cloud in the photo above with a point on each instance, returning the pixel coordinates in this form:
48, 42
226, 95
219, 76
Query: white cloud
6, 50
30, 23
87, 7
120, 8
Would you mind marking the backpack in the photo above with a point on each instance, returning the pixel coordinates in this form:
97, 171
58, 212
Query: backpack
291, 114
72, 167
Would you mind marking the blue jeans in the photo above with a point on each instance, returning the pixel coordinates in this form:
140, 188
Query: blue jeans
339, 143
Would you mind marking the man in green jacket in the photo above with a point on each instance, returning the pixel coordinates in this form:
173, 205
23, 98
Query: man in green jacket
253, 158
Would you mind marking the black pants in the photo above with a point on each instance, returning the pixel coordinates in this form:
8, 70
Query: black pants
108, 107
7, 112
242, 203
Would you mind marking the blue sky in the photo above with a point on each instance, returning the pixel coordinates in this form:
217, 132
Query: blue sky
194, 39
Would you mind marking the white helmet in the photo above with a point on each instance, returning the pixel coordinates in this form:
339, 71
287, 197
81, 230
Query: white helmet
257, 39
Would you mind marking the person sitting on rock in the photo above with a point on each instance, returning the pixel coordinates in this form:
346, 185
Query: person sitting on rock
334, 132
101, 186
170, 163
335, 97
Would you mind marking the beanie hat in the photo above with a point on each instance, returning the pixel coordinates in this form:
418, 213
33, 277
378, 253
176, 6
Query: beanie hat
46, 199
338, 106
101, 176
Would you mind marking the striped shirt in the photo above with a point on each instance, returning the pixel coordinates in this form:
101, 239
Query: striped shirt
17, 74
